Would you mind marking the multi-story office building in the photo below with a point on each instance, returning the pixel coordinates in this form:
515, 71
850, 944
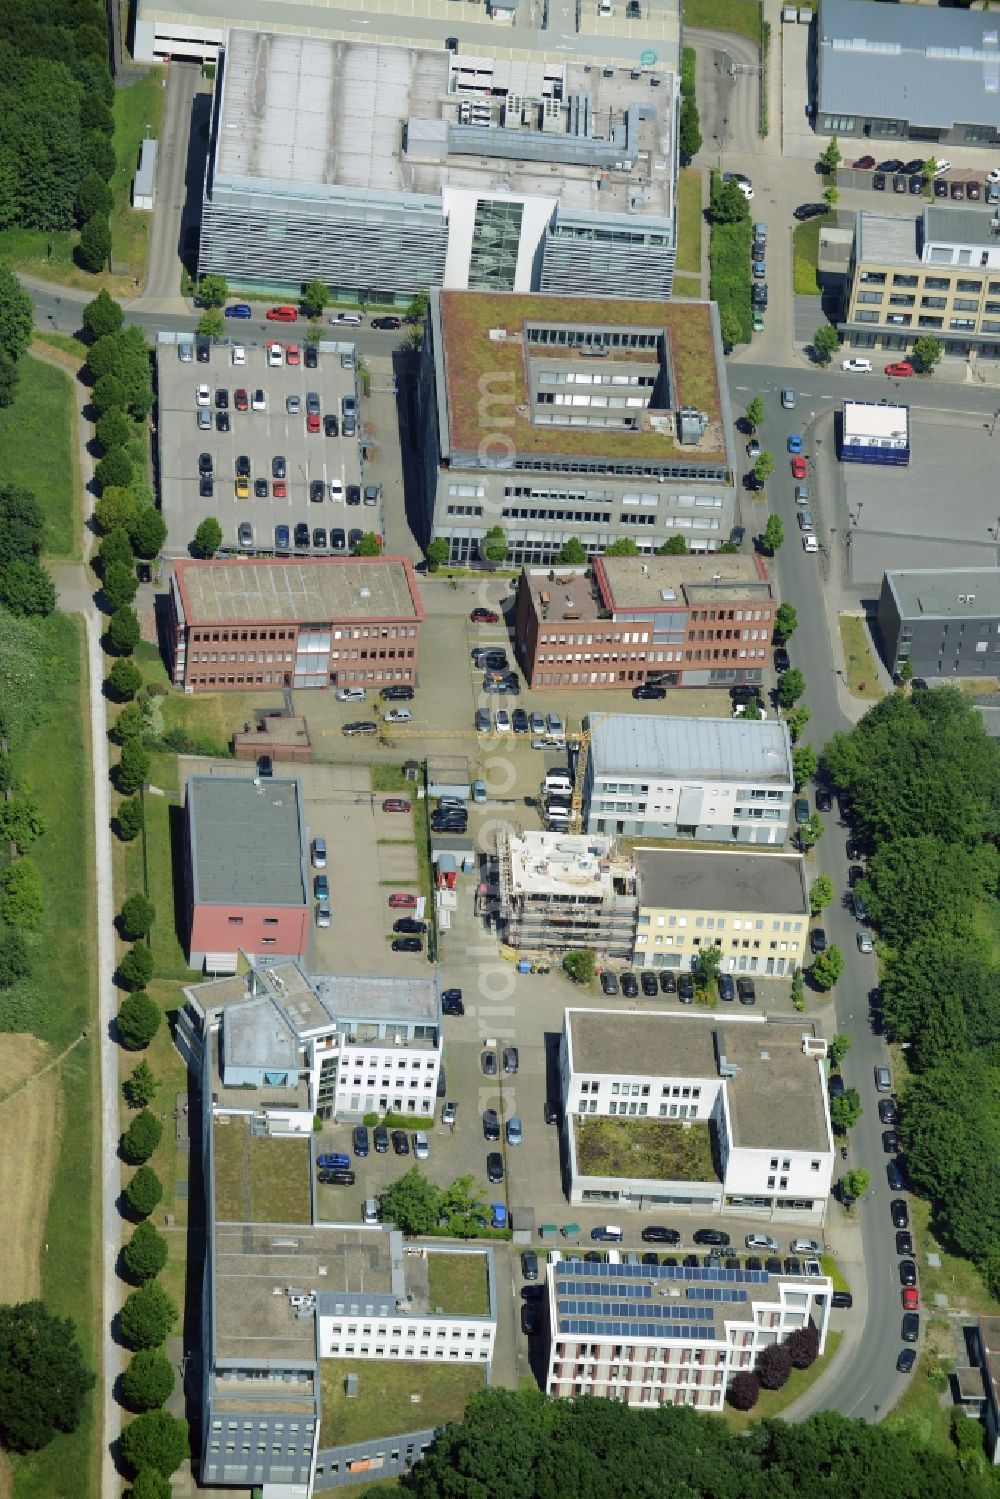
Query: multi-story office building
557, 892
748, 1096
670, 1334
753, 907
385, 170
687, 621
556, 417
937, 273
714, 780
289, 622
944, 621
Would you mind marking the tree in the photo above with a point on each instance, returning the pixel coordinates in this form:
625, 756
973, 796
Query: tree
674, 546
494, 545
830, 158
927, 351
124, 632
149, 1484
827, 967
754, 415
411, 1203
17, 315
156, 1440
26, 588
820, 893
774, 1365
211, 324
138, 1021
923, 883
21, 895
148, 1381
119, 585
689, 137
810, 832
133, 767
93, 198
786, 622
94, 247
752, 710
368, 546
140, 1086
774, 535
130, 819
136, 916
314, 298
145, 1189
208, 538
796, 719
130, 724
855, 1183
115, 510
15, 960
45, 1379
8, 379
213, 289
580, 966
116, 547
148, 531
625, 547
103, 315
114, 430
838, 1048
124, 679
728, 205
141, 1138
845, 1110
831, 195
145, 1254
763, 469
805, 763
438, 553
706, 966
730, 327
417, 310
109, 393
136, 968
791, 686
21, 822
114, 469
803, 1347
826, 341
22, 524
744, 1390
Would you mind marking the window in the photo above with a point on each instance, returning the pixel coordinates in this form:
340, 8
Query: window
964, 284
933, 301
874, 297
901, 299
873, 278
899, 280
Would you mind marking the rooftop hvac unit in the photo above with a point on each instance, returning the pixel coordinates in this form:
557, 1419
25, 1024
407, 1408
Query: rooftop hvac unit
513, 112
691, 424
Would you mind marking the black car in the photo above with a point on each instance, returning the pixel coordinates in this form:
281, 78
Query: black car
491, 1124
887, 1111
742, 692
511, 1060
900, 1213
655, 1233
494, 1167
854, 873
397, 694
809, 211
899, 183
630, 987
910, 1330
316, 491
242, 466
781, 659
451, 1002
647, 692
608, 982
916, 185
824, 801
650, 1258
668, 983
894, 1173
311, 357
908, 1356
279, 468
301, 534
836, 1085
354, 494
711, 1236
260, 489
360, 1138
222, 421
202, 353
330, 425
685, 989
381, 1138
817, 939
853, 848
842, 1299
205, 463
400, 1142
793, 1265
488, 1062
649, 985
907, 1273
338, 540
519, 721
726, 986
890, 1141
759, 295
904, 1242
529, 1264
940, 187
319, 538
407, 944
916, 164
389, 324
746, 991
531, 1317
551, 1112
409, 924
892, 165
206, 486
878, 182
336, 1178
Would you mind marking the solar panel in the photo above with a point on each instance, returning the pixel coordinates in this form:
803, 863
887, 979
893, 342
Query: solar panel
585, 1327
716, 1293
578, 1306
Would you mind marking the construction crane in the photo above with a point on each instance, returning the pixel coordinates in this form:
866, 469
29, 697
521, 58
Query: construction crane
581, 743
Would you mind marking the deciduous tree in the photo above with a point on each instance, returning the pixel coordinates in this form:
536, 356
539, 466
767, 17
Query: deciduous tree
927, 351
744, 1390
494, 545
138, 1020
15, 959
94, 247
17, 315
141, 1138
136, 916
148, 531
774, 535
130, 819
144, 1191
211, 324
845, 1110
208, 538
805, 763
148, 1381
140, 1086
124, 678
785, 623
791, 686
803, 1347
102, 315
820, 893
45, 1380
438, 553
827, 967
314, 298
368, 546
826, 342
213, 289
754, 414
145, 1254
674, 546
21, 822
774, 1365
21, 895
136, 968
26, 588
625, 547
119, 584
763, 468
155, 1440
580, 966
412, 1203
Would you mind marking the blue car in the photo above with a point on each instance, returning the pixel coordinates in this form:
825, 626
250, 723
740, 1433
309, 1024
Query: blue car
281, 538
335, 1161
795, 443
498, 1215
239, 309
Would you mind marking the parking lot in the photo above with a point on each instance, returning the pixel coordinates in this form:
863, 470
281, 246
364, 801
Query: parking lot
311, 461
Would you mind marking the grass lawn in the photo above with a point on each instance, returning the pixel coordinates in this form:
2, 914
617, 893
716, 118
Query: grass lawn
805, 254
742, 16
773, 1402
64, 342
689, 220
832, 1269
267, 1176
662, 1148
37, 439
688, 286
383, 1407
920, 1413
956, 1278
457, 1284
862, 672
136, 107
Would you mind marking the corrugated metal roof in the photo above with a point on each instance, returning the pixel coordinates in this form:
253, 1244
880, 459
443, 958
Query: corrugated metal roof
707, 748
915, 63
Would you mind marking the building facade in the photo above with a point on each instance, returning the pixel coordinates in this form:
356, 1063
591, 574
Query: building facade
560, 417
889, 75
705, 779
936, 273
753, 907
944, 622
323, 622
875, 432
556, 892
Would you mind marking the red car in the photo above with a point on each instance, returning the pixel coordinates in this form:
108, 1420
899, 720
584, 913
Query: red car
312, 422
911, 1298
241, 400
279, 489
798, 468
282, 315
484, 617
292, 355
395, 804
904, 367
402, 901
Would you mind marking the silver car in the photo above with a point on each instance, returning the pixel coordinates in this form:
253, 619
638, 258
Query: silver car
788, 399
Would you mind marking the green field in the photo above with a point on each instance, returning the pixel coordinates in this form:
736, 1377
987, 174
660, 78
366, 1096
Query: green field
859, 659
384, 1407
457, 1283
661, 1148
38, 443
741, 16
689, 220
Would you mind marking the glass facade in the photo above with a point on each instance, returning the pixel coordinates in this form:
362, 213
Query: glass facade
496, 235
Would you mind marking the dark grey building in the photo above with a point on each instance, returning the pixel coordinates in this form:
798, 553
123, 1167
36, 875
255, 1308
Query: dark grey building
944, 621
893, 72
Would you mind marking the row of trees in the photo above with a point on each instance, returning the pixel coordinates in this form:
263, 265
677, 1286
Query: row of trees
924, 782
690, 121
17, 321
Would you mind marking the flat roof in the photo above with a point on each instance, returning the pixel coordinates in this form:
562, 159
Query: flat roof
946, 593
288, 591
643, 582
370, 997
730, 749
687, 343
887, 238
722, 880
879, 419
561, 864
247, 841
963, 224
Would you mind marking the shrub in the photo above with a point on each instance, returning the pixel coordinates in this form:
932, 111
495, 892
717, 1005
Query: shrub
151, 1484
744, 1391
144, 1191
580, 966
138, 1021
803, 1347
141, 1138
21, 895
148, 1381
145, 1254
774, 1365
15, 960
136, 916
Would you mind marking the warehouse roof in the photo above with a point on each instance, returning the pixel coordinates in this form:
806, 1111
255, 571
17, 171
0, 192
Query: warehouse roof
732, 749
947, 593
928, 67
247, 841
694, 879
289, 591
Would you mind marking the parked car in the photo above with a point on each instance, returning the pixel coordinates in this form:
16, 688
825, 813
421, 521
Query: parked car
711, 1236
900, 1213
410, 926
407, 944
888, 1113
726, 986
911, 1327
510, 1060
609, 982
817, 940
333, 1161
649, 985
907, 1358
900, 370
360, 1137
494, 1167
401, 898
488, 1062
895, 1177
685, 989
451, 1002
746, 991
513, 1131
656, 1233
380, 1136
630, 986
799, 469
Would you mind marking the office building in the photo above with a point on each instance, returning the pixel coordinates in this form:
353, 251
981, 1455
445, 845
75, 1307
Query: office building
557, 417
753, 907
385, 170
875, 432
557, 892
937, 273
290, 622
927, 76
714, 780
698, 1113
944, 621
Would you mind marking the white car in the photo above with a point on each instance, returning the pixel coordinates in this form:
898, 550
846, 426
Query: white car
398, 715
503, 721
203, 396
993, 175
941, 166
421, 1145
275, 356
336, 490
239, 354
865, 943
810, 544
258, 401
856, 366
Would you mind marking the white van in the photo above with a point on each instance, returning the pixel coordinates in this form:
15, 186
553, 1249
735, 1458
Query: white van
350, 694
558, 780
371, 1210
346, 320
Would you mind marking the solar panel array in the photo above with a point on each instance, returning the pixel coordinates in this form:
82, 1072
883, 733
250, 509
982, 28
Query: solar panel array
591, 1306
577, 1327
598, 1299
717, 1293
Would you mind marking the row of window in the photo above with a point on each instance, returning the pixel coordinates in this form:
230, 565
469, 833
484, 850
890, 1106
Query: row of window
713, 923
359, 632
905, 320
931, 283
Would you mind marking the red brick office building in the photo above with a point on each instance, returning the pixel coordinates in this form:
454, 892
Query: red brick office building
290, 622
